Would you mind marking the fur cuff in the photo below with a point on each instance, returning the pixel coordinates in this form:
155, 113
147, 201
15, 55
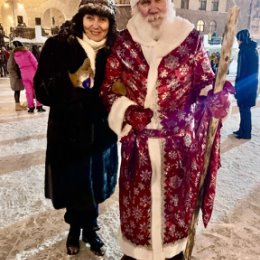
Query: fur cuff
117, 115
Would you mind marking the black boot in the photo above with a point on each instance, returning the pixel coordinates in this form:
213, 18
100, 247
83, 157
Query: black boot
40, 109
31, 110
180, 256
72, 243
126, 257
236, 132
95, 242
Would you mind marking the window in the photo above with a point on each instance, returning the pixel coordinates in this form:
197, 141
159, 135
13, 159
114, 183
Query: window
215, 4
185, 4
20, 19
200, 26
203, 4
212, 26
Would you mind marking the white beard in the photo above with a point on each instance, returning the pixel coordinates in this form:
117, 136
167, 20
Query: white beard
148, 25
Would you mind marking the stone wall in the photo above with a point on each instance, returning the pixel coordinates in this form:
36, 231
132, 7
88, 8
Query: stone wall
206, 16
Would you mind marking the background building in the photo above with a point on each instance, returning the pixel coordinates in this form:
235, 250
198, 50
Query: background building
209, 16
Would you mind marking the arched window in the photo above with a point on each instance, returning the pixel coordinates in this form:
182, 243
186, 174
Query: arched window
185, 4
212, 26
215, 5
200, 26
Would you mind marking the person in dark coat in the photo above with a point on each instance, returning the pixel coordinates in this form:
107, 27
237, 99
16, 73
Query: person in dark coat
246, 82
36, 51
15, 81
81, 158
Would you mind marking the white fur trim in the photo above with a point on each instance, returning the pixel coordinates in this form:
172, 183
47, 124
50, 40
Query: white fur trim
159, 251
157, 209
133, 3
174, 33
117, 114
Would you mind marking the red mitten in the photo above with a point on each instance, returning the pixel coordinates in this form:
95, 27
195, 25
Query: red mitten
218, 103
138, 117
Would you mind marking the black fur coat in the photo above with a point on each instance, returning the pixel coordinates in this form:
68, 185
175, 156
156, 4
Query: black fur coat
81, 157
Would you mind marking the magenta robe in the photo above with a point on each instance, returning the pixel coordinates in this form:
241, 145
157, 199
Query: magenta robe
181, 75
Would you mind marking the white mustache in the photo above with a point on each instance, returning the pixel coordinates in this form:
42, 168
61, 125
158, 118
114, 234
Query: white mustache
154, 17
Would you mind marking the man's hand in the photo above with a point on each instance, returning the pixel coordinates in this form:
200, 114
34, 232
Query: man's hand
138, 117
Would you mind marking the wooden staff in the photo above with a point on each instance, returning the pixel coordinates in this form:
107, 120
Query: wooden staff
226, 49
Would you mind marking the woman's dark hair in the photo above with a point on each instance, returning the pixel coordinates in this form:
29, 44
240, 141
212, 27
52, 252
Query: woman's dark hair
17, 44
36, 51
77, 23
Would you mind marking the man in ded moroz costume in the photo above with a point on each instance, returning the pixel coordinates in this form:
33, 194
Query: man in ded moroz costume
156, 90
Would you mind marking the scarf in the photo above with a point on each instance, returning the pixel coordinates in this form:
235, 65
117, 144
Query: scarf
91, 48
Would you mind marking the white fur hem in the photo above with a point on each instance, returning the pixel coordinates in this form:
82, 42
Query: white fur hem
143, 253
117, 114
158, 251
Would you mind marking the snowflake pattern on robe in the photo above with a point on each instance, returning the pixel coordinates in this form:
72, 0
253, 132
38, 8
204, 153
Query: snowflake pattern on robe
181, 75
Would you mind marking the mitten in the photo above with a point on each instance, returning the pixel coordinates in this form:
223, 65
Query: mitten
83, 77
218, 103
138, 117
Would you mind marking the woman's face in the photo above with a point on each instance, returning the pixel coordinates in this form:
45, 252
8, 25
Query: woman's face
96, 27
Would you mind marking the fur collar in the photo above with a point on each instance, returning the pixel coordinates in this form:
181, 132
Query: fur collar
172, 36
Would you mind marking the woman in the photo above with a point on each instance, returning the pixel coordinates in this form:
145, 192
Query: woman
15, 81
28, 65
246, 82
81, 158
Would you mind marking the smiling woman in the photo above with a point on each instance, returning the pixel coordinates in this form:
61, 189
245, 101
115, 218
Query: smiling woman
81, 157
96, 27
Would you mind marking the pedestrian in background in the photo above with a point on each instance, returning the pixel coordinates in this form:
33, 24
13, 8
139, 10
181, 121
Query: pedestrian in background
28, 65
81, 158
15, 81
36, 51
246, 82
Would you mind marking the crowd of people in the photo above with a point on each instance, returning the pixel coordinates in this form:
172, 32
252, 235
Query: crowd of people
20, 65
149, 86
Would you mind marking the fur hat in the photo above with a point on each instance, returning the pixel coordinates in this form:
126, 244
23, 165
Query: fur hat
100, 6
133, 3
